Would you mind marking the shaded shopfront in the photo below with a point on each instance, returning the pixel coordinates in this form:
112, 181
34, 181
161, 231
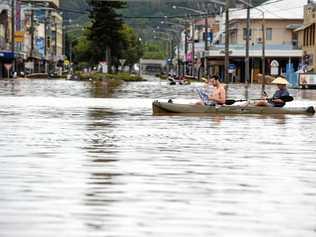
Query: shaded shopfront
216, 65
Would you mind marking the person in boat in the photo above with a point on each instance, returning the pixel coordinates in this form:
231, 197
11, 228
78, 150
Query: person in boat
218, 95
282, 91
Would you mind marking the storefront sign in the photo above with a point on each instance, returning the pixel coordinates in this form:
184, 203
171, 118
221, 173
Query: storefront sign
40, 46
307, 79
29, 65
274, 68
19, 37
7, 55
231, 68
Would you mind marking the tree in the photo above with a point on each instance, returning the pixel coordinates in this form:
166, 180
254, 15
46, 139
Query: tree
132, 49
105, 28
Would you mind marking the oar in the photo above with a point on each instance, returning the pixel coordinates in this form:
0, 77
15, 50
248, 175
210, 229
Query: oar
284, 98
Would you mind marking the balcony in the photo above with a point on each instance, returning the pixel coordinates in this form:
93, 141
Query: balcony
238, 50
52, 3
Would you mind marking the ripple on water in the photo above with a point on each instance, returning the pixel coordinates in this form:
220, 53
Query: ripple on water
76, 165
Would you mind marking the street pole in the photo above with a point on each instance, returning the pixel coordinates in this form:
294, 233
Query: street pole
263, 55
178, 54
13, 33
32, 39
206, 43
247, 67
185, 51
193, 48
226, 41
171, 53
46, 41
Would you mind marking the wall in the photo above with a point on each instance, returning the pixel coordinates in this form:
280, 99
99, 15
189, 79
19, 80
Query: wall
280, 33
308, 44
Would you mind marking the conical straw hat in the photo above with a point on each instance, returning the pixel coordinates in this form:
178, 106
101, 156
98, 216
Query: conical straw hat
280, 81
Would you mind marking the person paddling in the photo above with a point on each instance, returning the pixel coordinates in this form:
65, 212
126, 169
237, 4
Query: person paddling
276, 100
218, 96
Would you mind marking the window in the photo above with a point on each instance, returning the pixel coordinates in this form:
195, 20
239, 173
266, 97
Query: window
245, 33
269, 34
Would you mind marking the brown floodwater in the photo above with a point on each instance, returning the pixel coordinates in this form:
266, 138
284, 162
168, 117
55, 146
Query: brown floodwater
77, 160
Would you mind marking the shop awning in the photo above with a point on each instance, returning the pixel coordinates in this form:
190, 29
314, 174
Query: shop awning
303, 27
6, 55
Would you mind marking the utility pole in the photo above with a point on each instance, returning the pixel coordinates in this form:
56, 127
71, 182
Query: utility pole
193, 47
185, 50
46, 40
226, 41
178, 59
263, 55
247, 68
206, 42
32, 39
13, 33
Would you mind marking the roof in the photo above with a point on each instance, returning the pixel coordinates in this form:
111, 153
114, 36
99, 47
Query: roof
273, 9
294, 26
303, 27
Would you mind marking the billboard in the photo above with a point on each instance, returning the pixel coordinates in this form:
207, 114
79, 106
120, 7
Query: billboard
40, 46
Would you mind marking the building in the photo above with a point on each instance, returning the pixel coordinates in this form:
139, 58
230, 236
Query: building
280, 19
45, 42
306, 37
5, 38
186, 42
38, 29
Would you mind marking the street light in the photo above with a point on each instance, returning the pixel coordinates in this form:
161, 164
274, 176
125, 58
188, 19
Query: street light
206, 13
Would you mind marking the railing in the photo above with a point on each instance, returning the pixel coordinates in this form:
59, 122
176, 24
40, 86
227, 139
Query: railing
54, 2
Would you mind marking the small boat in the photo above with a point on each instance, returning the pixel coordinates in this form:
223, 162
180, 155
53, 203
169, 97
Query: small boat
174, 81
160, 108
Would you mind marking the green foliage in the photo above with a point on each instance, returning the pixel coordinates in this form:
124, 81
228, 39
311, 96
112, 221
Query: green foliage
84, 50
131, 49
106, 25
154, 50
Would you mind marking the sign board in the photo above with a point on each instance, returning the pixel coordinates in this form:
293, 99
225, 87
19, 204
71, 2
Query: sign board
274, 68
307, 79
19, 37
231, 68
7, 55
66, 62
29, 65
104, 67
122, 62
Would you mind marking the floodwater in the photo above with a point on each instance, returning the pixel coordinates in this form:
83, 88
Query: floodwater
78, 162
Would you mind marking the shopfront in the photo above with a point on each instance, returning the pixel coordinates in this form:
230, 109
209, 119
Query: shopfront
5, 58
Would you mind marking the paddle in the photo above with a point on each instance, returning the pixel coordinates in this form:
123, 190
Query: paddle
284, 98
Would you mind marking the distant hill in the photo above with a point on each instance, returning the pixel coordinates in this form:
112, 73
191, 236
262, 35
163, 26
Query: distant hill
134, 8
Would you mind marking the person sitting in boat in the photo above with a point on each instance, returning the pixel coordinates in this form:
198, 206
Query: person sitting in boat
218, 96
282, 91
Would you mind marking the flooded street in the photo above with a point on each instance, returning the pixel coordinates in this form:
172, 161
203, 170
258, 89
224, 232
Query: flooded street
76, 162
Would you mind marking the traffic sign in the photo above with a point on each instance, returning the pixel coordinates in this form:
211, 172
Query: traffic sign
8, 66
122, 61
232, 68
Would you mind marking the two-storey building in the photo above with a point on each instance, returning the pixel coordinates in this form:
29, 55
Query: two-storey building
307, 37
280, 19
5, 37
